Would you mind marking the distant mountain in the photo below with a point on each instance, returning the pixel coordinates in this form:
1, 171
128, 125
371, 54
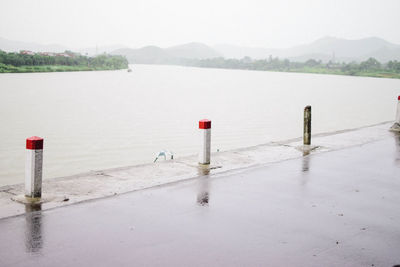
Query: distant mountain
325, 49
193, 50
157, 55
91, 51
385, 54
144, 55
356, 50
235, 51
16, 46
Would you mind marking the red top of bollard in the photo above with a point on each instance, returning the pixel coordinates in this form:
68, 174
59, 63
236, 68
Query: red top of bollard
34, 142
398, 98
205, 124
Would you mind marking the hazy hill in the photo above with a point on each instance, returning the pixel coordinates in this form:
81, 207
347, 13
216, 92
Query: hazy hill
324, 49
144, 55
193, 50
91, 51
235, 51
341, 47
157, 55
385, 54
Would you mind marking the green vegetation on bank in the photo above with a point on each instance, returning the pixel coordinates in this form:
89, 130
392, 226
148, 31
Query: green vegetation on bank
370, 67
50, 62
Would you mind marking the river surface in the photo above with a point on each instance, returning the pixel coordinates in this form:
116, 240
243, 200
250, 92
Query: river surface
105, 119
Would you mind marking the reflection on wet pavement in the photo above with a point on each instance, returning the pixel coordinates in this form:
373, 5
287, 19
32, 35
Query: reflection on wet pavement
397, 141
33, 231
306, 161
203, 195
203, 198
305, 167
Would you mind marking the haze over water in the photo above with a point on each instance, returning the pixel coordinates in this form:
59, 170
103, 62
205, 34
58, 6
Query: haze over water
105, 119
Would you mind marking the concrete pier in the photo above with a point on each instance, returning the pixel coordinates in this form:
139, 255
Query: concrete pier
64, 191
338, 208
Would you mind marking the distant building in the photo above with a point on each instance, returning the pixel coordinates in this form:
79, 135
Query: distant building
70, 53
50, 54
26, 52
64, 55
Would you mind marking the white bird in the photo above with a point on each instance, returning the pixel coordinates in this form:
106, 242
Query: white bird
164, 153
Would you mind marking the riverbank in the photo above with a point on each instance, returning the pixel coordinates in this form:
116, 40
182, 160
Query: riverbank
338, 72
51, 68
305, 70
325, 71
27, 61
99, 184
389, 75
368, 68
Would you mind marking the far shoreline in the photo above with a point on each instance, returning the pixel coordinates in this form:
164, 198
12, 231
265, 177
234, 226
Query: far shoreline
361, 74
29, 62
63, 68
56, 68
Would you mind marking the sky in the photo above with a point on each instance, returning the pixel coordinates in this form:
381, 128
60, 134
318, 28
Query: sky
134, 23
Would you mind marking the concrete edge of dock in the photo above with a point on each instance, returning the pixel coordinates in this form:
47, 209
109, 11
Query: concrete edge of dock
69, 190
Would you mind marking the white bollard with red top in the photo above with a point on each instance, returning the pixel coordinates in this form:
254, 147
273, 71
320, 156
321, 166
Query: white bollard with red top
33, 167
205, 138
396, 125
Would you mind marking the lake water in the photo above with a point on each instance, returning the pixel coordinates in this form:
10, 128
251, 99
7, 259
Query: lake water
105, 119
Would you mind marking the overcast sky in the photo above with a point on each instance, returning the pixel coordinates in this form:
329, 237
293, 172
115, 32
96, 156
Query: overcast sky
266, 23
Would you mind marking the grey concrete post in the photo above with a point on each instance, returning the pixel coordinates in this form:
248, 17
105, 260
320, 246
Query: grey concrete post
307, 126
33, 167
205, 141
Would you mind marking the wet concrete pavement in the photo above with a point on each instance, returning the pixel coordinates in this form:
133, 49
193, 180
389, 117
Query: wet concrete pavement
339, 208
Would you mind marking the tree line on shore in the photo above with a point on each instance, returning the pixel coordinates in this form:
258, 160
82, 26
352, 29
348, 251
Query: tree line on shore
370, 67
276, 64
32, 62
65, 59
